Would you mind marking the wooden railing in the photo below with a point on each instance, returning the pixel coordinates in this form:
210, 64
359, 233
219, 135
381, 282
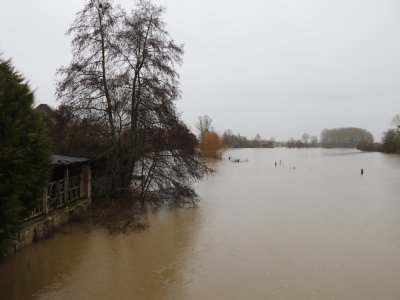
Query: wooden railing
56, 196
37, 211
74, 188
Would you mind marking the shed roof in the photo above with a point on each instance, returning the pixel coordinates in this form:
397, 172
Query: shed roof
66, 160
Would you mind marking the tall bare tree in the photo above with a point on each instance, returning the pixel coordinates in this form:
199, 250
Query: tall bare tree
123, 76
203, 125
305, 137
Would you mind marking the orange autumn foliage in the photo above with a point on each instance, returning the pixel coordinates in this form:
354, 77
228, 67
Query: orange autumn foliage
211, 145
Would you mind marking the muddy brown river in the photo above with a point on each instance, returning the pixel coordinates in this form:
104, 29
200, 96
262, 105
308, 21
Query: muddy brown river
312, 227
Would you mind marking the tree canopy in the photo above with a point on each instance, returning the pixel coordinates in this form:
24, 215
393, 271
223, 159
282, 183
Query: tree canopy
391, 137
24, 152
347, 137
203, 125
211, 145
233, 140
122, 82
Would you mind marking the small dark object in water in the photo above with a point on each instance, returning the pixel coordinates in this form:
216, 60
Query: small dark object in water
362, 171
275, 164
229, 158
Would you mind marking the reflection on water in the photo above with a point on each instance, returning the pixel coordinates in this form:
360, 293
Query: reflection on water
92, 264
312, 227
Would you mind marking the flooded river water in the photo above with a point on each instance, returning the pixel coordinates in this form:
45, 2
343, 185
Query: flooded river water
312, 227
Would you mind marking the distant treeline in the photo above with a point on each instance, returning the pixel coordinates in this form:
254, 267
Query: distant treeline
347, 137
344, 137
232, 140
306, 141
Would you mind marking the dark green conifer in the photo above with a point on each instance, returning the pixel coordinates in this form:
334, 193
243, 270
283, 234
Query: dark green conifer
24, 153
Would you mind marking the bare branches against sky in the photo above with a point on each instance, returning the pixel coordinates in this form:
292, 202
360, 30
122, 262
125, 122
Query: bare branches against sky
278, 68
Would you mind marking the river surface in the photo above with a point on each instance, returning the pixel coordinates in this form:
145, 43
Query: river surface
312, 227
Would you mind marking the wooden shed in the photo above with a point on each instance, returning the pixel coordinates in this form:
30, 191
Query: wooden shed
70, 181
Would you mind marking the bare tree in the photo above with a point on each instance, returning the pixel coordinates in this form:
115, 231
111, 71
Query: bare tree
314, 141
257, 140
305, 137
123, 78
90, 86
203, 126
396, 122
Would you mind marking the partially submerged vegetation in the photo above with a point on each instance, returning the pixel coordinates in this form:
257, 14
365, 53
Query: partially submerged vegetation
232, 140
120, 89
117, 107
306, 141
211, 144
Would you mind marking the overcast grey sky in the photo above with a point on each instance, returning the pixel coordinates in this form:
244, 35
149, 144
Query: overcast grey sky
278, 68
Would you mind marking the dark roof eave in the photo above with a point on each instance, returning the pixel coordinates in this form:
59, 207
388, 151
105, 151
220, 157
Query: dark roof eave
63, 160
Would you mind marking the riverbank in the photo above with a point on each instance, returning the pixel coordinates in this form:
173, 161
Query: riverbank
44, 226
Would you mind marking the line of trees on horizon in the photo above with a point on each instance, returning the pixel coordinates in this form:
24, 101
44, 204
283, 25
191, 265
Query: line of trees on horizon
306, 141
212, 144
345, 137
232, 140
